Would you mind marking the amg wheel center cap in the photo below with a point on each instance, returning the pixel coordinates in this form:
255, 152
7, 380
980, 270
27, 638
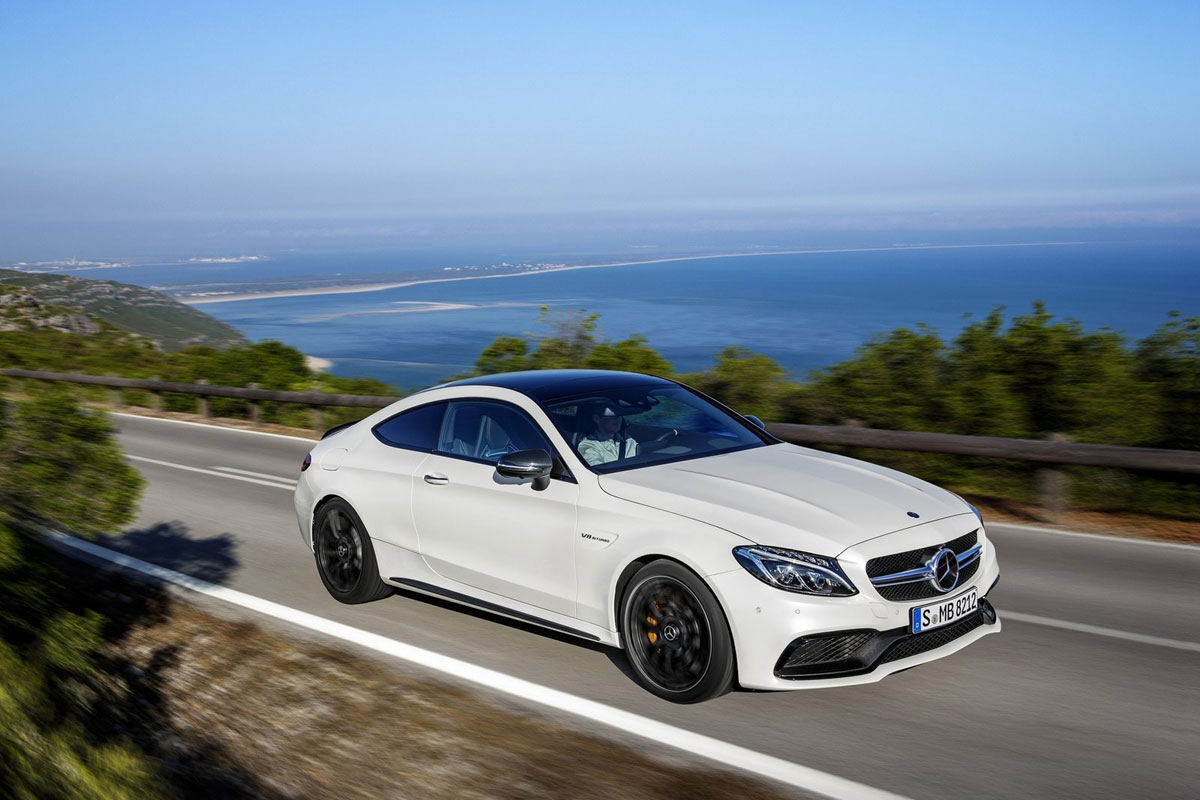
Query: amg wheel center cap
943, 568
342, 550
670, 632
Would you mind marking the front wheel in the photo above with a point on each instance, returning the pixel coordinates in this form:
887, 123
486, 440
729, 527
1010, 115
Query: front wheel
345, 558
676, 636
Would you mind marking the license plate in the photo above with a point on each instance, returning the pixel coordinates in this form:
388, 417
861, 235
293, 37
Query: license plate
943, 613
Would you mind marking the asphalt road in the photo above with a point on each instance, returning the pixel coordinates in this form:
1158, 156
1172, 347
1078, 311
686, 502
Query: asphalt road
1063, 703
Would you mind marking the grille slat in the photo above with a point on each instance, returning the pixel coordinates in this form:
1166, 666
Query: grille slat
819, 649
912, 559
939, 637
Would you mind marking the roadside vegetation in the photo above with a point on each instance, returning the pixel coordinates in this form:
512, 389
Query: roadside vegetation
59, 708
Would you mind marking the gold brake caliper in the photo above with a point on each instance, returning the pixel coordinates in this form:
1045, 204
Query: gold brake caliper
651, 635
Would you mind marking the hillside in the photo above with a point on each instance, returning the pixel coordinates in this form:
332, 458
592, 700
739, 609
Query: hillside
154, 316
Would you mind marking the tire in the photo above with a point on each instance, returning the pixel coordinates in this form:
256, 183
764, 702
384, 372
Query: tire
675, 634
345, 558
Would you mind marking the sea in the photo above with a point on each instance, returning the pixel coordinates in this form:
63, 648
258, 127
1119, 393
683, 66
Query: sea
807, 310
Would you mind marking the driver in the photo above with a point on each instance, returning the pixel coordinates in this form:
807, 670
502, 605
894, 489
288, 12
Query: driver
607, 442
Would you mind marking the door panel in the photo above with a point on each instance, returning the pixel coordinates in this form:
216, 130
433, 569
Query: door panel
495, 533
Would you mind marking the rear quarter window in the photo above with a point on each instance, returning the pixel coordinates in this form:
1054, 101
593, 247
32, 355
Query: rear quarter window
416, 429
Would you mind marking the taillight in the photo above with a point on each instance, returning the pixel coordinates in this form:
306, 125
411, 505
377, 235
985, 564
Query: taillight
307, 462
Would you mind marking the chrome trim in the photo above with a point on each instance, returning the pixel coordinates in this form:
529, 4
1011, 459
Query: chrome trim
925, 572
970, 555
908, 576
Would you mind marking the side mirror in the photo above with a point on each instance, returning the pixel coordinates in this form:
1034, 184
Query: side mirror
535, 464
757, 421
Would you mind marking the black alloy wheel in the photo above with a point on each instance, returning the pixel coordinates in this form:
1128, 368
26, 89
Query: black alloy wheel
345, 557
675, 634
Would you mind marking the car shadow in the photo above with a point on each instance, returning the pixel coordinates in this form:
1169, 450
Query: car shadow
171, 545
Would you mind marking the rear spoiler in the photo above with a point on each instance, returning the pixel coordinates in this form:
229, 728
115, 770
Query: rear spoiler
336, 428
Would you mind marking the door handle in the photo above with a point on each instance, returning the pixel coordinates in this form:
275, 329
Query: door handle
436, 478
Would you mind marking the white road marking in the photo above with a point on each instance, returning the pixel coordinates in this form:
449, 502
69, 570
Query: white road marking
292, 481
731, 755
276, 483
1093, 536
1112, 633
212, 426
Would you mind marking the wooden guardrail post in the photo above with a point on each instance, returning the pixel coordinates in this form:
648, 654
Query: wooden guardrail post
156, 397
202, 400
318, 419
1052, 487
255, 406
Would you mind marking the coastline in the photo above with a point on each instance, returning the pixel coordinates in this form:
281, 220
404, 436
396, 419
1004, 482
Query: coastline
379, 287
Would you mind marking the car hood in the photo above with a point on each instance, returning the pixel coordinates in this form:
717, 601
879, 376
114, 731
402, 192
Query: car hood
788, 496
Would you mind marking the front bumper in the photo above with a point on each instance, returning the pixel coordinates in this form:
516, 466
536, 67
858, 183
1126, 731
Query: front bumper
767, 623
849, 653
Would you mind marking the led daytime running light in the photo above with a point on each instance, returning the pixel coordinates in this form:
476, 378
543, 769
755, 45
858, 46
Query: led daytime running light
794, 571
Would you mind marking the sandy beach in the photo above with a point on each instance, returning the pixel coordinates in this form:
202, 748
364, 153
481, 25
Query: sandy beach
379, 287
317, 364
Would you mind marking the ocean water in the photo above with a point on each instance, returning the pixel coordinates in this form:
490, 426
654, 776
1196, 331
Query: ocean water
805, 310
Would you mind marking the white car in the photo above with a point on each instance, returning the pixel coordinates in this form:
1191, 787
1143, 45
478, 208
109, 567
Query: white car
634, 511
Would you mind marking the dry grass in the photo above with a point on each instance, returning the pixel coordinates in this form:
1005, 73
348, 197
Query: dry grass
308, 721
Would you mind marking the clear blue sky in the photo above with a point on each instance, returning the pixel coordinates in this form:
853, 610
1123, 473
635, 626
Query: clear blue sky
244, 110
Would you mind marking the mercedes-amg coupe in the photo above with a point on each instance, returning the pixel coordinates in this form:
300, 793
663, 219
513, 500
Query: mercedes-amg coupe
637, 512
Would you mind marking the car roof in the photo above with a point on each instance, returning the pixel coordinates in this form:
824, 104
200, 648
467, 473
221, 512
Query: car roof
547, 384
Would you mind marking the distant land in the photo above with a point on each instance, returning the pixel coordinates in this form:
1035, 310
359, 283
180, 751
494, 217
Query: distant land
505, 270
147, 313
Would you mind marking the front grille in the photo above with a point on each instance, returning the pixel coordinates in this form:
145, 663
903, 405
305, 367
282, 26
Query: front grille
912, 559
924, 642
923, 590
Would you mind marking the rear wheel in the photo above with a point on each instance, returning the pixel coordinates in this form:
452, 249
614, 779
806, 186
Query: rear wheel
345, 558
676, 635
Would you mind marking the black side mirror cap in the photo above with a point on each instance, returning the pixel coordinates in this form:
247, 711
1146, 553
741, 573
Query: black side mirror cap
535, 464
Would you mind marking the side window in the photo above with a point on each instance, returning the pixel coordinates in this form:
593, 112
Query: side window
487, 431
413, 430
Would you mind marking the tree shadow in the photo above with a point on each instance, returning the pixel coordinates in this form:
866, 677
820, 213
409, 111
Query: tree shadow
131, 692
170, 545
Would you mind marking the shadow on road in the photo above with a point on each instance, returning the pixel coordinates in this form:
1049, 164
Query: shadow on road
170, 545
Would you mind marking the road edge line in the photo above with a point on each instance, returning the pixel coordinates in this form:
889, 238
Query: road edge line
1104, 537
734, 756
1097, 630
316, 438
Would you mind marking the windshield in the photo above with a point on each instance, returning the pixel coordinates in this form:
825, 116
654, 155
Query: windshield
635, 427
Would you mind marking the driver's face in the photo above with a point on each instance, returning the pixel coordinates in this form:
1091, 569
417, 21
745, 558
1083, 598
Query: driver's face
607, 425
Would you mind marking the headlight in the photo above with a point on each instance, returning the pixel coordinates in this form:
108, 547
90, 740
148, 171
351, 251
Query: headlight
795, 571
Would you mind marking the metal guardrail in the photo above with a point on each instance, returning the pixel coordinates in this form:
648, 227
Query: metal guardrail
1048, 451
202, 389
1054, 450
